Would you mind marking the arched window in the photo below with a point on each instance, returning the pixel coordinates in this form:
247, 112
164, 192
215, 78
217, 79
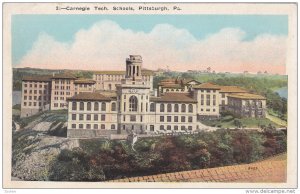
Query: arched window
176, 108
113, 106
102, 126
96, 106
133, 103
152, 107
190, 108
162, 108
103, 106
74, 105
183, 108
89, 106
113, 126
81, 106
161, 127
169, 108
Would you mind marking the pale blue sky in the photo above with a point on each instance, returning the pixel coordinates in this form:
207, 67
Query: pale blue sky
26, 28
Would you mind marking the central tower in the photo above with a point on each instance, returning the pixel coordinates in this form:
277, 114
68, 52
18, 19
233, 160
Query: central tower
134, 67
133, 96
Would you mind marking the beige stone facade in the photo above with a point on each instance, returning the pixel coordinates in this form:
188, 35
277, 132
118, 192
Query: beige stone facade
247, 105
36, 92
107, 80
207, 96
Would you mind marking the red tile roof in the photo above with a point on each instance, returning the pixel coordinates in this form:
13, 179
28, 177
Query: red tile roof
247, 96
89, 96
207, 86
232, 89
174, 97
45, 78
84, 81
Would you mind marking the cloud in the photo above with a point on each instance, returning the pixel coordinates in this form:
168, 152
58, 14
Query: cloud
106, 45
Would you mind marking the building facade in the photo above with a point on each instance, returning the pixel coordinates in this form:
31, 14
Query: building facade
224, 92
207, 96
107, 80
247, 105
36, 95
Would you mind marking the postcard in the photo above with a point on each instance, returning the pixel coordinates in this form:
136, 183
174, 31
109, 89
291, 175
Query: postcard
150, 95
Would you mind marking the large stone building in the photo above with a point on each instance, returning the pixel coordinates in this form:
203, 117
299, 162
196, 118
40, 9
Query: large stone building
247, 105
131, 109
40, 93
129, 105
36, 92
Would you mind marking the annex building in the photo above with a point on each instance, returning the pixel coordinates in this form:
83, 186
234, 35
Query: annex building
125, 102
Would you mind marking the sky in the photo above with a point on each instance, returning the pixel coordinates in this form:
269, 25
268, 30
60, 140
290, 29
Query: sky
234, 43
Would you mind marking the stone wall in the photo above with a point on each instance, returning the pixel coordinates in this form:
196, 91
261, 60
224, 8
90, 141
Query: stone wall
89, 133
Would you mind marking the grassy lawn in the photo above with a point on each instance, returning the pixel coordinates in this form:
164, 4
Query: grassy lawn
228, 122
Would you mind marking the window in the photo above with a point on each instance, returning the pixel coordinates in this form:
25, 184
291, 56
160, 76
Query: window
175, 127
73, 117
190, 108
161, 127
202, 99
25, 103
190, 119
102, 117
161, 119
169, 127
141, 118
25, 97
88, 126
113, 106
175, 118
169, 118
133, 103
88, 117
259, 104
183, 108
152, 107
113, 126
95, 126
73, 126
169, 108
190, 128
151, 127
102, 126
223, 102
176, 108
207, 100
95, 117
25, 91
81, 106
223, 95
96, 106
182, 128
80, 126
103, 106
89, 106
132, 118
182, 118
214, 100
74, 105
81, 117
162, 108
35, 91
